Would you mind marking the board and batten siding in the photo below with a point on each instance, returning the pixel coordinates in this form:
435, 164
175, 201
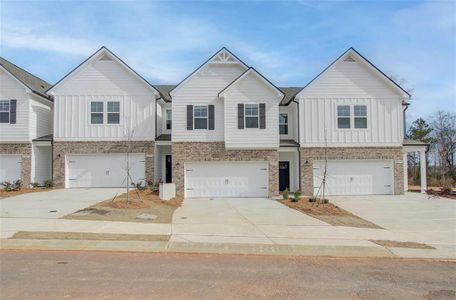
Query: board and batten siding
350, 83
10, 88
202, 89
103, 81
251, 90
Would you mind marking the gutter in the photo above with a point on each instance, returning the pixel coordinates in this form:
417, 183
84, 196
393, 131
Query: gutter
299, 144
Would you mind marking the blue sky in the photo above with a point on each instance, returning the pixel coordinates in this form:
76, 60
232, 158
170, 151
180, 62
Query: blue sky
288, 41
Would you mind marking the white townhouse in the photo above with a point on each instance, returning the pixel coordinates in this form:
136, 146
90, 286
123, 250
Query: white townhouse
104, 112
25, 126
227, 131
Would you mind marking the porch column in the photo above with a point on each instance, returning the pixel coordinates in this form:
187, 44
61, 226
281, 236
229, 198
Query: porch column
423, 170
405, 171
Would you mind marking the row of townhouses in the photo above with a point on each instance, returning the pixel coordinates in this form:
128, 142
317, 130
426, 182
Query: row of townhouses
225, 130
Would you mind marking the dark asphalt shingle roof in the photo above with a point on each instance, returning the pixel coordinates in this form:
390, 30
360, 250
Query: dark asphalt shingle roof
409, 142
36, 84
290, 92
44, 138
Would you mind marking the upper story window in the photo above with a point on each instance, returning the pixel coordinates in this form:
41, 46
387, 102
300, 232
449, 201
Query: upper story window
343, 116
113, 112
96, 112
200, 116
283, 123
360, 116
251, 115
4, 111
169, 118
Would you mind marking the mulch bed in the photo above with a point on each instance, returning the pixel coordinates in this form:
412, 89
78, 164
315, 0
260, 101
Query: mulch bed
329, 213
5, 194
137, 209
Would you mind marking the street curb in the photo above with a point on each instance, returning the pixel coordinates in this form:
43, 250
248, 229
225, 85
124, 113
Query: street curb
186, 247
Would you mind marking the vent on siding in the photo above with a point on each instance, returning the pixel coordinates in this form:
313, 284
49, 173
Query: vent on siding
105, 58
349, 59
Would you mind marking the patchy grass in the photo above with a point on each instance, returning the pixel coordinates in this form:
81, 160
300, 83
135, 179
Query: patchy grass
44, 235
5, 194
142, 207
397, 244
329, 213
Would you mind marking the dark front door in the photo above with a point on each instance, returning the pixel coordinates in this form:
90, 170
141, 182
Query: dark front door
284, 175
168, 168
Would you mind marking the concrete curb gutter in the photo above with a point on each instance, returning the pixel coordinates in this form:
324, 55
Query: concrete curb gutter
184, 247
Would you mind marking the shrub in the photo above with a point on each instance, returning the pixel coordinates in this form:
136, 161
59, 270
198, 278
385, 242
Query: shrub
139, 186
12, 186
297, 196
325, 201
285, 194
48, 184
312, 199
7, 186
34, 184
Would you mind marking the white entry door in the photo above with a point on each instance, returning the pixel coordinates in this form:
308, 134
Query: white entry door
104, 170
226, 179
354, 177
10, 167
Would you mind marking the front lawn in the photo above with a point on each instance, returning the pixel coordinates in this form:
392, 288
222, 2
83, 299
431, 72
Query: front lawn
143, 207
329, 213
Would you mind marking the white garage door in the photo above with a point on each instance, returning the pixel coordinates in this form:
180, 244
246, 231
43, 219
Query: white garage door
104, 170
355, 177
226, 179
10, 167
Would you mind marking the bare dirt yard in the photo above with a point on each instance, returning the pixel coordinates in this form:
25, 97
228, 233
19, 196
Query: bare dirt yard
143, 207
436, 191
329, 213
5, 194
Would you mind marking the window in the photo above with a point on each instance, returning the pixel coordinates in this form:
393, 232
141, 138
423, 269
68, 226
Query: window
283, 123
168, 118
343, 116
96, 112
113, 112
200, 117
4, 111
360, 116
251, 115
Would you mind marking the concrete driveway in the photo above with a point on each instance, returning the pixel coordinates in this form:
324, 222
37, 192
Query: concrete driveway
430, 220
53, 204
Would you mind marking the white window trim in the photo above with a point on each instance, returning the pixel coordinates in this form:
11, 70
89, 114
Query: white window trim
287, 123
207, 116
257, 116
352, 117
105, 113
166, 118
345, 117
9, 111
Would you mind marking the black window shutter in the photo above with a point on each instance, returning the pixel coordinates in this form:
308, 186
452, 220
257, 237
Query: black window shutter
211, 117
240, 116
189, 117
262, 115
13, 104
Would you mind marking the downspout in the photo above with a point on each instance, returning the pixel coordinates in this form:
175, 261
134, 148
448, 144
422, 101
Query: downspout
299, 146
406, 106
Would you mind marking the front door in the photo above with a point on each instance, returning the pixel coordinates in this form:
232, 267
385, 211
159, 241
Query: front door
168, 168
284, 175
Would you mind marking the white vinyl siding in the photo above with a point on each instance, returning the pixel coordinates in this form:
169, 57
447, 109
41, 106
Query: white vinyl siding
10, 88
104, 81
251, 90
40, 119
202, 89
292, 112
352, 84
41, 164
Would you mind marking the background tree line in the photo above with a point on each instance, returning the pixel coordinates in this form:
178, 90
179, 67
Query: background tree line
439, 131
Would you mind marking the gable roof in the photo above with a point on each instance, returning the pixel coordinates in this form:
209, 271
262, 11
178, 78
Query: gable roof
224, 49
352, 50
164, 91
32, 82
243, 75
100, 53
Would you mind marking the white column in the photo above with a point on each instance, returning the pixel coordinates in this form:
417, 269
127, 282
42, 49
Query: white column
405, 171
423, 170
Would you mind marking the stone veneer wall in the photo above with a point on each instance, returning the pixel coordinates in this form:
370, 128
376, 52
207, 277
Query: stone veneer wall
63, 148
215, 151
311, 154
25, 150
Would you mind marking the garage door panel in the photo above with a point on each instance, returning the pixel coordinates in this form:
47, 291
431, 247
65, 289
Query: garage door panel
226, 179
10, 167
107, 170
354, 177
